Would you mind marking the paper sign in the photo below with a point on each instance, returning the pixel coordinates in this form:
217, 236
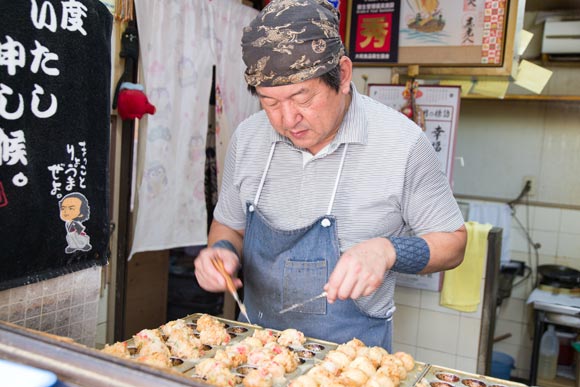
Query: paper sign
495, 89
525, 39
532, 77
465, 85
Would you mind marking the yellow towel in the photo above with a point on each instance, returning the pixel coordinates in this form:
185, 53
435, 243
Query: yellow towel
461, 286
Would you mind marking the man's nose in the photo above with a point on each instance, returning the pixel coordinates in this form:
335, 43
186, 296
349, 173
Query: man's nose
290, 115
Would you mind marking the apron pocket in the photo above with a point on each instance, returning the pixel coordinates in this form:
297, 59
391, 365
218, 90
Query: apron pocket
304, 280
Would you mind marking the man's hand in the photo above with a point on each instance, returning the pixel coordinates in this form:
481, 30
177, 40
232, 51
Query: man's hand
360, 270
207, 275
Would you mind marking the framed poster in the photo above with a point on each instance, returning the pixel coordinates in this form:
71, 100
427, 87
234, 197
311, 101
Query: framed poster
373, 31
450, 37
440, 105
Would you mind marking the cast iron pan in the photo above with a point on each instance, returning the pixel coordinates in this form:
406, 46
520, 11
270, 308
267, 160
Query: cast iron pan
559, 276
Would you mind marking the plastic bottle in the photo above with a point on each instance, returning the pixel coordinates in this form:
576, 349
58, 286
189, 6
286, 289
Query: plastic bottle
549, 348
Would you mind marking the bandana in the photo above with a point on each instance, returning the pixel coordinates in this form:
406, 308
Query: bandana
291, 41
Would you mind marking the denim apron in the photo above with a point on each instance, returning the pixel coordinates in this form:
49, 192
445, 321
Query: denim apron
282, 268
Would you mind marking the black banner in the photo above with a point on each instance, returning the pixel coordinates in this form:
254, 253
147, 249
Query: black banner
55, 66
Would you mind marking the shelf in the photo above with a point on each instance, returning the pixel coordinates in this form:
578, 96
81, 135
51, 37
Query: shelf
557, 382
525, 97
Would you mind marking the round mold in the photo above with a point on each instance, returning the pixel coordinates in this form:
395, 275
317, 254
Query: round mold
175, 361
473, 383
304, 354
237, 330
440, 384
447, 377
314, 347
244, 369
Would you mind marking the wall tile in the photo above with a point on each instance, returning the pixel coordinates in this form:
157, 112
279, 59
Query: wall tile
570, 221
548, 241
467, 364
518, 240
430, 356
569, 245
410, 349
469, 332
4, 297
430, 301
407, 296
512, 309
547, 219
438, 331
406, 324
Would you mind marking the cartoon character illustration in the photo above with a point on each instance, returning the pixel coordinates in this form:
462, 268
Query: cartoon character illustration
74, 210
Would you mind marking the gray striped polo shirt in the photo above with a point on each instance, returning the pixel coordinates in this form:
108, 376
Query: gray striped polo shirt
391, 184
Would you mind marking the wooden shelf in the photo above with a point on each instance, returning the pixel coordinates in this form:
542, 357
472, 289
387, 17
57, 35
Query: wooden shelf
525, 97
557, 382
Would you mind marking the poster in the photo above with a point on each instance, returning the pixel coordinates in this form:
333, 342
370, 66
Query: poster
55, 65
374, 31
440, 106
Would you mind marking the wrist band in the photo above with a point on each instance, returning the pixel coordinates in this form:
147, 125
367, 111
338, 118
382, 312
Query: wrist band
412, 254
225, 244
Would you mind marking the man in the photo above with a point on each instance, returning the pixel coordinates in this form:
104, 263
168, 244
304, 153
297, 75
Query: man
324, 189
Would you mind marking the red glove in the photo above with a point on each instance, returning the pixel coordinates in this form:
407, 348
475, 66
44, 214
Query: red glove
133, 104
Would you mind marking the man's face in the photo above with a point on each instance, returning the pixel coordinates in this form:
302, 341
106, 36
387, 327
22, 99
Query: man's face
308, 113
70, 209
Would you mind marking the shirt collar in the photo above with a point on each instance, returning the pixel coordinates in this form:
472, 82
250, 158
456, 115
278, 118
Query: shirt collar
352, 130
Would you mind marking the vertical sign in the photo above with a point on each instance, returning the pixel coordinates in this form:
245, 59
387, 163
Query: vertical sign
374, 31
440, 105
54, 138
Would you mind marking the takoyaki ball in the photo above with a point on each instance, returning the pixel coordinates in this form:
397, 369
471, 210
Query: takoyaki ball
331, 367
353, 377
392, 371
288, 359
376, 354
206, 321
258, 356
276, 370
339, 358
118, 349
303, 381
215, 372
356, 343
321, 375
348, 350
215, 335
379, 380
364, 364
155, 359
258, 378
407, 359
291, 338
252, 342
176, 326
265, 335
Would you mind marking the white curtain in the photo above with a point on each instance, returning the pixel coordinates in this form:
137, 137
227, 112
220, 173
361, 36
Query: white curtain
180, 41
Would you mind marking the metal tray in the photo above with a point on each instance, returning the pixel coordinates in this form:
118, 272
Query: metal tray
310, 353
437, 376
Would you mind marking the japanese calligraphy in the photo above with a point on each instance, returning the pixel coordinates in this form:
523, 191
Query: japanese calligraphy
72, 173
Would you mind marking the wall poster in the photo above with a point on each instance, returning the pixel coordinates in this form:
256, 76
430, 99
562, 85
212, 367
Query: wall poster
440, 105
373, 31
55, 64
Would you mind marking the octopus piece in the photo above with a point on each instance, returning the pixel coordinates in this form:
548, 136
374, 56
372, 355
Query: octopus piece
258, 378
205, 321
215, 373
291, 338
353, 377
118, 349
339, 358
379, 380
408, 361
364, 364
303, 381
265, 335
215, 335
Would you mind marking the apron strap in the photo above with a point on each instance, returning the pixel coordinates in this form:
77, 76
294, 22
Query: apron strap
329, 211
264, 174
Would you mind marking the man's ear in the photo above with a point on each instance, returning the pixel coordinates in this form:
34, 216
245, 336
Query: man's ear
345, 74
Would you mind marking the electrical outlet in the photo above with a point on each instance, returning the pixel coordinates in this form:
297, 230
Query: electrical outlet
532, 180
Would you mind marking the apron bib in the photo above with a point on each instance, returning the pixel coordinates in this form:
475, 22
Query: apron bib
284, 267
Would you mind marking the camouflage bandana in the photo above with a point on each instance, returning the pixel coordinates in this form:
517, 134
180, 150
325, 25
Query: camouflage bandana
291, 41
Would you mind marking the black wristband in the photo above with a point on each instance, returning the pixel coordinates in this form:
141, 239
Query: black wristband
225, 244
412, 254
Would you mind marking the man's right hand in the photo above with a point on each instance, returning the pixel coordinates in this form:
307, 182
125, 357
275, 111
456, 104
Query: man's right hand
207, 275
